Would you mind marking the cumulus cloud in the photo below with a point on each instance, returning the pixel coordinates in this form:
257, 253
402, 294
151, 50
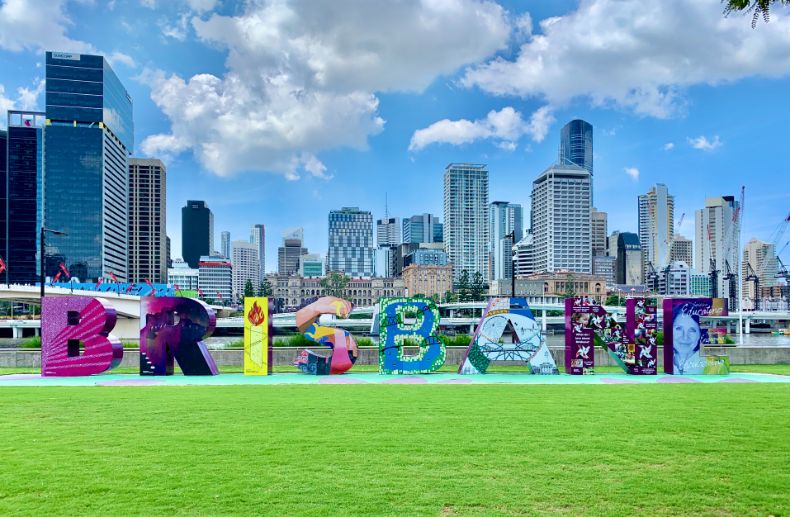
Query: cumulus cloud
37, 25
26, 99
119, 58
669, 146
505, 127
302, 77
633, 172
703, 144
637, 55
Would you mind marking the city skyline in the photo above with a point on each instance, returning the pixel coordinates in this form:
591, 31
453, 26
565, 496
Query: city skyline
690, 136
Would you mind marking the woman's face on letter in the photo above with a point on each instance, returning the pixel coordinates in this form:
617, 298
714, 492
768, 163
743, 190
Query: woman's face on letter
685, 331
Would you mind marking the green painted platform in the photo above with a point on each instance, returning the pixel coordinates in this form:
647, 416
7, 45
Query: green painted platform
227, 379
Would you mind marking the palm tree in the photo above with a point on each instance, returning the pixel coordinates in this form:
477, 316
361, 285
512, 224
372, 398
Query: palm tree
758, 8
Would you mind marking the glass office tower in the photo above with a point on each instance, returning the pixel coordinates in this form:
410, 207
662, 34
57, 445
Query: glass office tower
576, 144
3, 203
21, 196
87, 142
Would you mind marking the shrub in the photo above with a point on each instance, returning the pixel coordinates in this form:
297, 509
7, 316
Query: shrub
32, 342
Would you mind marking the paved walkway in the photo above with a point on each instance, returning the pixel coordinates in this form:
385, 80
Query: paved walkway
227, 379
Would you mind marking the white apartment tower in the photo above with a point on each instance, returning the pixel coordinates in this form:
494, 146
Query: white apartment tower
245, 267
503, 218
466, 218
717, 238
561, 212
656, 227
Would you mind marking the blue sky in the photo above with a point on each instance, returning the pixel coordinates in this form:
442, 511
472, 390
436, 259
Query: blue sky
275, 112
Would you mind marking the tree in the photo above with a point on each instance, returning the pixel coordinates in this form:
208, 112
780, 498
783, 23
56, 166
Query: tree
265, 288
249, 290
570, 289
478, 288
334, 284
450, 297
613, 300
463, 286
758, 8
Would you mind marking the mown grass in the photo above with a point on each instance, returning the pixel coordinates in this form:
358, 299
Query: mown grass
397, 449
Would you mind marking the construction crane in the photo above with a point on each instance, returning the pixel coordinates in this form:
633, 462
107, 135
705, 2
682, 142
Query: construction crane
775, 239
731, 278
751, 276
714, 279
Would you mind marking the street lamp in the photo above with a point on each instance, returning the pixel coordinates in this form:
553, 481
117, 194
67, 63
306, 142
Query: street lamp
512, 236
44, 231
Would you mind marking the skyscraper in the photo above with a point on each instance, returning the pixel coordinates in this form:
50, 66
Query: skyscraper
224, 239
245, 267
422, 228
576, 144
351, 248
87, 141
20, 196
561, 211
466, 218
716, 243
761, 256
681, 250
258, 237
629, 259
147, 214
3, 202
289, 253
503, 218
656, 226
599, 231
197, 232
388, 231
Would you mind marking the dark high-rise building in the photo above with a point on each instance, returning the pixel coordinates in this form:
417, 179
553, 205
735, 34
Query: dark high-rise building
197, 232
22, 196
629, 259
3, 202
88, 137
290, 252
147, 220
576, 144
422, 228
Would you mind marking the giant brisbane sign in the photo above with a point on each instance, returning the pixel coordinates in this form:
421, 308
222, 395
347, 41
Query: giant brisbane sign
588, 324
508, 333
77, 339
686, 337
409, 322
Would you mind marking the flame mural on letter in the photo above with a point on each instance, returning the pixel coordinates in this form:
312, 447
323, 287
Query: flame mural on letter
256, 315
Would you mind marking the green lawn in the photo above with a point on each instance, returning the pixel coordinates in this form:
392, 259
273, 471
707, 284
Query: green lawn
398, 449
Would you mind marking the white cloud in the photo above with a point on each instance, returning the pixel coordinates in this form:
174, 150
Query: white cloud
199, 6
637, 55
505, 127
302, 77
177, 29
37, 25
669, 146
633, 172
703, 144
117, 58
26, 99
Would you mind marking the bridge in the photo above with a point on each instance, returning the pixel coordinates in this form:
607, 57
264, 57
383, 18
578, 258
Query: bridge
461, 316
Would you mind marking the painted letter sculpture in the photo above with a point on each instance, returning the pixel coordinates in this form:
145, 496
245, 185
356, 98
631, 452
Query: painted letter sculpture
344, 348
637, 354
75, 337
508, 332
257, 333
583, 318
685, 338
407, 321
173, 328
